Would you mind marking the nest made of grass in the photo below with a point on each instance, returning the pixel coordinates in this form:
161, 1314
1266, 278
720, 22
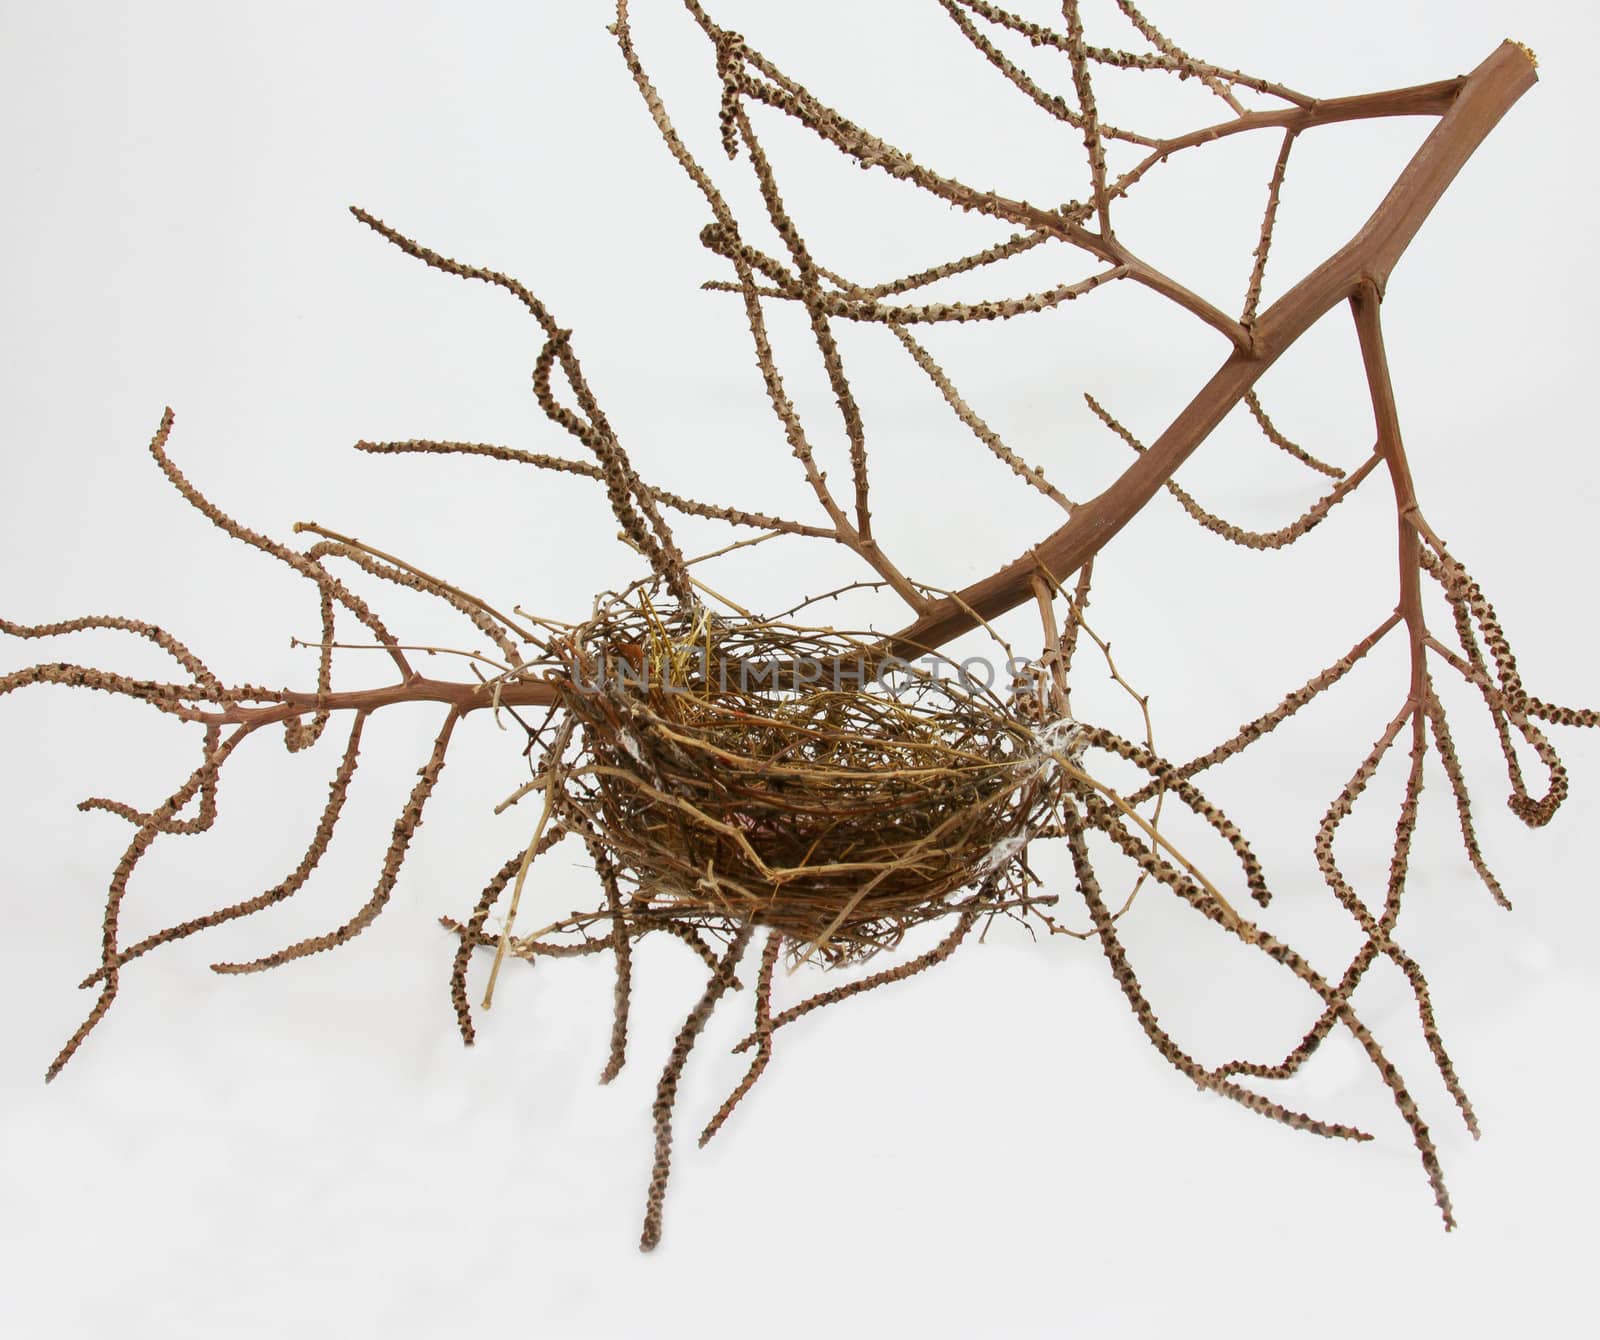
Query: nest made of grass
728, 783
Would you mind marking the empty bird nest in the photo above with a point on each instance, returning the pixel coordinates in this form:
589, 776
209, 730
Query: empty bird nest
734, 771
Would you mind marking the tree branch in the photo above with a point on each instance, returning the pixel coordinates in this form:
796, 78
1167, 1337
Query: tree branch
1481, 100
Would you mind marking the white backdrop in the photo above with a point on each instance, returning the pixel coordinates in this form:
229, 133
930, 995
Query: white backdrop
993, 1148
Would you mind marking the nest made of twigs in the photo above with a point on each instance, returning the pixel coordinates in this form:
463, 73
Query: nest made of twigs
749, 771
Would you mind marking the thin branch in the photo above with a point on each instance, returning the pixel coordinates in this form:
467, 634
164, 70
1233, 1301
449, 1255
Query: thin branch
667, 1089
404, 829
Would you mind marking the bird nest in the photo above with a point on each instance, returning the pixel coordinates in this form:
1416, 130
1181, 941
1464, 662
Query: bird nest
750, 772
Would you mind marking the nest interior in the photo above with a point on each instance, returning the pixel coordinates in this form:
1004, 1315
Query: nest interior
755, 772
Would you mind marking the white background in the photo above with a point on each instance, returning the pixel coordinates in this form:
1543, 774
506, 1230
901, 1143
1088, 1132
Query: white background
991, 1149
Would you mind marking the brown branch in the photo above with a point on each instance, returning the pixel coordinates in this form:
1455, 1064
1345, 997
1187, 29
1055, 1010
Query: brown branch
110, 950
870, 151
632, 504
727, 226
899, 973
338, 791
404, 829
810, 292
1049, 102
1480, 101
1030, 474
1253, 401
1269, 221
993, 309
1084, 85
667, 1090
735, 516
160, 637
1122, 970
1267, 722
1180, 59
1301, 526
763, 1035
1369, 328
1016, 245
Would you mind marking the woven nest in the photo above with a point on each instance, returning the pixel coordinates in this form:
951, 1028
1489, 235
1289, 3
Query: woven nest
754, 772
